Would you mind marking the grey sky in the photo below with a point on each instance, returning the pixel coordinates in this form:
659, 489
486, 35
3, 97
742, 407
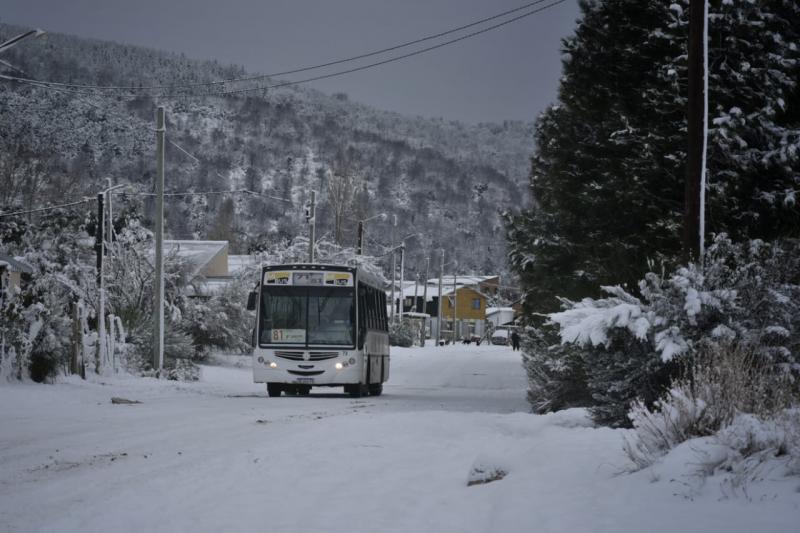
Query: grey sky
510, 73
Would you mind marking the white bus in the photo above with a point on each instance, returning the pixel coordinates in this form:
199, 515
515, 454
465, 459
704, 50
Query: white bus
319, 326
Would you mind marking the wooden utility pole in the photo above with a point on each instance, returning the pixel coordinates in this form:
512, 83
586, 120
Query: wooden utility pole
158, 296
439, 302
425, 297
99, 246
312, 224
360, 245
454, 301
425, 285
694, 219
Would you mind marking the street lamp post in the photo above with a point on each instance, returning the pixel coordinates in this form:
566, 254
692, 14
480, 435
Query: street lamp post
455, 299
360, 238
394, 264
100, 246
14, 40
402, 268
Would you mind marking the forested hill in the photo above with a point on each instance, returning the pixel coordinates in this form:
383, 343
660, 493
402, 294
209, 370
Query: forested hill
445, 179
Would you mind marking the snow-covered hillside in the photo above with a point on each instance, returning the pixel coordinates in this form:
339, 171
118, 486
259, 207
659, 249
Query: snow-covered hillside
217, 455
445, 179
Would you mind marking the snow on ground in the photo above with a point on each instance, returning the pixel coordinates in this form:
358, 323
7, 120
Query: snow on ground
219, 455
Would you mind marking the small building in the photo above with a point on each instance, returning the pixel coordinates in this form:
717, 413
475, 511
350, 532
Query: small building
500, 316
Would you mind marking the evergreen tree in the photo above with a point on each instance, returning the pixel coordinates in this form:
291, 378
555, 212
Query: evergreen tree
608, 173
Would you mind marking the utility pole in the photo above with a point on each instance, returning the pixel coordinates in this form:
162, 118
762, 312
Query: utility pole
311, 211
425, 293
402, 278
360, 245
694, 212
110, 230
439, 302
99, 246
158, 296
455, 296
394, 264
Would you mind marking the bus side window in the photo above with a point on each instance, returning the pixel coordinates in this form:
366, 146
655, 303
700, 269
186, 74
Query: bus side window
382, 311
362, 307
373, 324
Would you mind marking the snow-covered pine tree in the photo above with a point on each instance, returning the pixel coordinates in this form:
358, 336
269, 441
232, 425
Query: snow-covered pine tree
607, 176
608, 172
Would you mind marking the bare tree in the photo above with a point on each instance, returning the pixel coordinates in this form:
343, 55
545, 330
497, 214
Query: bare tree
341, 187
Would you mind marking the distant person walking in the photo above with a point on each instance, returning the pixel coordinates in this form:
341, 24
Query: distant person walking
515, 340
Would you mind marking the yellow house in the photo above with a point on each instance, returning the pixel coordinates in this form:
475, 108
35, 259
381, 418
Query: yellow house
470, 304
470, 312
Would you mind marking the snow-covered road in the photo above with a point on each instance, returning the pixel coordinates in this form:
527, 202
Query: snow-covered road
219, 455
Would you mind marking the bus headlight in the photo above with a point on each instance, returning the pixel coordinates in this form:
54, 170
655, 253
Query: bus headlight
273, 364
261, 360
339, 366
352, 361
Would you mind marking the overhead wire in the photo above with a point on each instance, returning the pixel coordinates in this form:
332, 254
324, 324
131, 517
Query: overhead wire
286, 72
48, 208
77, 89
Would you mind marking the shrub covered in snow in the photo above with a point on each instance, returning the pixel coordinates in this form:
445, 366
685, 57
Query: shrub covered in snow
402, 333
556, 377
36, 325
632, 347
721, 384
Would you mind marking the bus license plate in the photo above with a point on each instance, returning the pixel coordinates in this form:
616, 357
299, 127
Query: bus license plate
305, 380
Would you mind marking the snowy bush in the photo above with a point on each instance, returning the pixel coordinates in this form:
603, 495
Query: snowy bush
722, 384
632, 347
402, 333
36, 330
222, 321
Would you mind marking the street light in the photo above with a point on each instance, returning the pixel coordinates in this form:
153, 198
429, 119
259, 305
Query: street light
402, 269
14, 40
360, 245
394, 263
100, 244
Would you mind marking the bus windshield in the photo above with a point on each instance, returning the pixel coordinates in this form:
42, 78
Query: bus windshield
307, 315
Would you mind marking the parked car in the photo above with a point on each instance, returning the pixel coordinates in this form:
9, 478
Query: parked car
500, 336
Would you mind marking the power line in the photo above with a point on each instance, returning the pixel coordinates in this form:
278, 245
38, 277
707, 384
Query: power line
132, 88
197, 160
49, 208
379, 63
205, 193
50, 85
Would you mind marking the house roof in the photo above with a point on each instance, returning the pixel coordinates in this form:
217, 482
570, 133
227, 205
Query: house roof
15, 264
465, 280
468, 287
198, 253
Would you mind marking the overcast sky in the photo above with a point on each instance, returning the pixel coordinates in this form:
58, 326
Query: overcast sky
510, 73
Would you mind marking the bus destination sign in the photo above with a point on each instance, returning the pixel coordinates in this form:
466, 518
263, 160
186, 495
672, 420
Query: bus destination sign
319, 279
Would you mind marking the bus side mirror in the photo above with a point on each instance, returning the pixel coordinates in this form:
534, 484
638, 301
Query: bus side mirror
251, 301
